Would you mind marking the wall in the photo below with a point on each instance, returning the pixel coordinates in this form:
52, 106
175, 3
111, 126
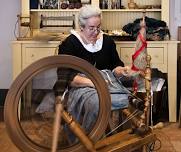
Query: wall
8, 12
175, 17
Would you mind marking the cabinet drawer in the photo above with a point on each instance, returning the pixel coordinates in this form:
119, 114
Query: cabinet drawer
157, 55
32, 54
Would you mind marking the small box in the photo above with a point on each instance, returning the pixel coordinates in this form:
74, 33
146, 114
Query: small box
34, 4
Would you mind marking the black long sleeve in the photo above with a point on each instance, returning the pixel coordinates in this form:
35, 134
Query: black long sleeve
106, 58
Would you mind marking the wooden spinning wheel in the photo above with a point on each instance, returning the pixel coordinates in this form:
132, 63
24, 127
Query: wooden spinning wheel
122, 141
12, 121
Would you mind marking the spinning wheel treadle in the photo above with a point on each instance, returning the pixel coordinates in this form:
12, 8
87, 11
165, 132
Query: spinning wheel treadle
14, 129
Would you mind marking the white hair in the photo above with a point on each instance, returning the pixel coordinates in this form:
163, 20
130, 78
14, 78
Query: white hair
86, 12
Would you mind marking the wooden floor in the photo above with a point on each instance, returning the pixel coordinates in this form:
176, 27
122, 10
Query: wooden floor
170, 137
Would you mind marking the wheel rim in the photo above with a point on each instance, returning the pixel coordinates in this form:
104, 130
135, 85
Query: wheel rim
65, 61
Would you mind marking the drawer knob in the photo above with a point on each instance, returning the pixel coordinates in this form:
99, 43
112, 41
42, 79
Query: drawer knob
126, 56
32, 55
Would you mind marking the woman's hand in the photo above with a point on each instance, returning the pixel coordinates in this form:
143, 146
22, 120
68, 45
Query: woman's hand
120, 71
80, 81
126, 71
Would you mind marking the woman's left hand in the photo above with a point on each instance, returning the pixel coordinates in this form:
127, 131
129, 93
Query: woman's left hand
119, 71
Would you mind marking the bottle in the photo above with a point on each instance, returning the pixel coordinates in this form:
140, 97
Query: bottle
109, 4
105, 4
100, 4
120, 4
113, 5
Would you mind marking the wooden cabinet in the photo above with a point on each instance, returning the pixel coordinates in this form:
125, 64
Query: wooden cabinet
157, 50
164, 57
112, 18
33, 52
27, 52
163, 54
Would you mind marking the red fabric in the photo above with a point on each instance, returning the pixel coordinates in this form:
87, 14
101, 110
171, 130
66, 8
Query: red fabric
144, 45
140, 39
137, 52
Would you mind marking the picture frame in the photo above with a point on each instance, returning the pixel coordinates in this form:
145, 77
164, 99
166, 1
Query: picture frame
50, 4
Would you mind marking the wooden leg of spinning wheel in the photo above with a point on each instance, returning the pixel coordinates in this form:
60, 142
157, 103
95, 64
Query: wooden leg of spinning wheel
57, 122
78, 131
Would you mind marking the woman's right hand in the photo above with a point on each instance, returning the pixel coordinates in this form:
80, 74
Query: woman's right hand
81, 81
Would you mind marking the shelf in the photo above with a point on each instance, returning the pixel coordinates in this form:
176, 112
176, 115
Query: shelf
113, 18
103, 10
131, 10
54, 10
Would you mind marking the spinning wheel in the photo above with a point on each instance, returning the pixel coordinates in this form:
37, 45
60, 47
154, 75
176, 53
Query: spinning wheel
13, 99
122, 141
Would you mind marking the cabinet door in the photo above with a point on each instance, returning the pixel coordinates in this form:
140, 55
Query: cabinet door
34, 52
158, 56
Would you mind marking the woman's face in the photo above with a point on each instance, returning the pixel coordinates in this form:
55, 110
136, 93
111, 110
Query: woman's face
92, 28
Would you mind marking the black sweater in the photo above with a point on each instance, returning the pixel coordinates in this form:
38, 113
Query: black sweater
106, 58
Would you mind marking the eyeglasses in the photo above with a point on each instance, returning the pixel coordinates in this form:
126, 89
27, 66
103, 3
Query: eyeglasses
93, 29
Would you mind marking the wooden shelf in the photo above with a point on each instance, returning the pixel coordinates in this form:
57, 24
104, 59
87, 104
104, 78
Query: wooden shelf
131, 10
112, 18
104, 10
54, 10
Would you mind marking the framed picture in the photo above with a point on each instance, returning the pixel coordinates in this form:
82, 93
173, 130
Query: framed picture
50, 4
86, 1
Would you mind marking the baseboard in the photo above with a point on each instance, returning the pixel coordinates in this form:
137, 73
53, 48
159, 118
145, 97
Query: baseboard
3, 93
1, 114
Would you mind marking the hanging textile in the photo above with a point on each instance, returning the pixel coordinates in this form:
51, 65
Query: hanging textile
139, 56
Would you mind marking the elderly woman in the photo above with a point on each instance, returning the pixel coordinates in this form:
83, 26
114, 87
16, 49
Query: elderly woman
92, 45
